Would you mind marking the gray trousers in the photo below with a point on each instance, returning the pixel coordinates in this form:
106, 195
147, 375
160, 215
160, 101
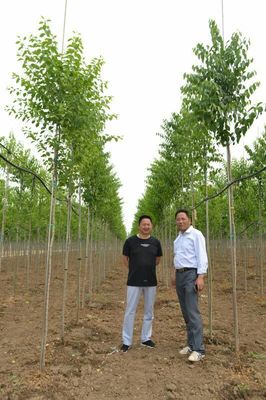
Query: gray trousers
133, 297
188, 299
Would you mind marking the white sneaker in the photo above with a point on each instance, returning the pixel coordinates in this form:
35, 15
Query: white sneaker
196, 356
185, 350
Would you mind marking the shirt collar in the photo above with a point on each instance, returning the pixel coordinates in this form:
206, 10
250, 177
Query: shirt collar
187, 231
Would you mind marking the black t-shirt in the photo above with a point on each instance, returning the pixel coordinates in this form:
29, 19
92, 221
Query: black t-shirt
142, 255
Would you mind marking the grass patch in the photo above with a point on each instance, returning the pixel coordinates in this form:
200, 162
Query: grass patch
257, 356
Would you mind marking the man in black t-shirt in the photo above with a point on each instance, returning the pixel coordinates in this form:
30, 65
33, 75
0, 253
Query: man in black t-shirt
141, 254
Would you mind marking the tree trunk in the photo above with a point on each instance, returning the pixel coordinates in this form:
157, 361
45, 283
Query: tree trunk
193, 214
105, 250
232, 248
79, 256
38, 248
260, 239
66, 261
245, 255
15, 265
210, 313
166, 232
48, 267
87, 251
91, 275
29, 249
4, 211
169, 246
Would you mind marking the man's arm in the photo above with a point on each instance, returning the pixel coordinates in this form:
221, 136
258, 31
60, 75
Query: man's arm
202, 259
159, 252
125, 261
158, 259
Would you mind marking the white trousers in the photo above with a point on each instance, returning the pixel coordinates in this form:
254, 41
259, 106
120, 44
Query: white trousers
133, 297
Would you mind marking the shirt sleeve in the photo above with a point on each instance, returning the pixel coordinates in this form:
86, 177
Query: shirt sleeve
201, 254
126, 248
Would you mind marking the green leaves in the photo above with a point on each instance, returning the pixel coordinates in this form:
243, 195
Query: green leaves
58, 91
216, 110
62, 100
217, 90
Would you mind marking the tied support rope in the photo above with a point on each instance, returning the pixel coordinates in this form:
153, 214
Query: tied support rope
237, 180
32, 173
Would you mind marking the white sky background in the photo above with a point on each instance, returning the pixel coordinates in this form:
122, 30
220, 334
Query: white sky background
147, 47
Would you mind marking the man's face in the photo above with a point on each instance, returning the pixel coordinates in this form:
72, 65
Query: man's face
145, 226
182, 221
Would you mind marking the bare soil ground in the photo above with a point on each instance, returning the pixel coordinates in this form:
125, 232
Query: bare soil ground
89, 365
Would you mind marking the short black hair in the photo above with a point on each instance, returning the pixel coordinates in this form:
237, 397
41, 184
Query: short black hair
143, 217
183, 210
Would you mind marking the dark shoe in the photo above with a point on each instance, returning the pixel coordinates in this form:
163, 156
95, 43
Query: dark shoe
148, 343
124, 348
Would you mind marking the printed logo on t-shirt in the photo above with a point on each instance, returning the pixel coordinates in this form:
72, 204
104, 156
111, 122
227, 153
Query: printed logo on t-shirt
145, 244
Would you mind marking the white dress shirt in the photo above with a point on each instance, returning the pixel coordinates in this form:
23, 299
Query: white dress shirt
190, 250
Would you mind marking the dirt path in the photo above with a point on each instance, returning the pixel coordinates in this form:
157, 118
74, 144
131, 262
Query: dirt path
89, 365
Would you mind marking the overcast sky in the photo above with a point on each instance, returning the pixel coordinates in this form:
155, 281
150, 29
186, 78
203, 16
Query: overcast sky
147, 47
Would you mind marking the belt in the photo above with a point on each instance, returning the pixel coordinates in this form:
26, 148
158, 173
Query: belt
184, 269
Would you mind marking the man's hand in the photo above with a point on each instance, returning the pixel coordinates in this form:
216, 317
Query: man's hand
200, 282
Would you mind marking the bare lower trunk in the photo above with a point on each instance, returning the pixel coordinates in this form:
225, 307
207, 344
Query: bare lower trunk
38, 256
104, 250
232, 249
91, 275
79, 257
169, 246
260, 239
29, 256
245, 255
48, 268
66, 262
210, 312
15, 265
4, 211
87, 251
193, 216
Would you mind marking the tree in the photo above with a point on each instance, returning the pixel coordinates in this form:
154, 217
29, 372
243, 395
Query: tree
257, 159
217, 93
61, 98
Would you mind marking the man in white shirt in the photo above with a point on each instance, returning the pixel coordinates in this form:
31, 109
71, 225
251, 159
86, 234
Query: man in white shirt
191, 263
